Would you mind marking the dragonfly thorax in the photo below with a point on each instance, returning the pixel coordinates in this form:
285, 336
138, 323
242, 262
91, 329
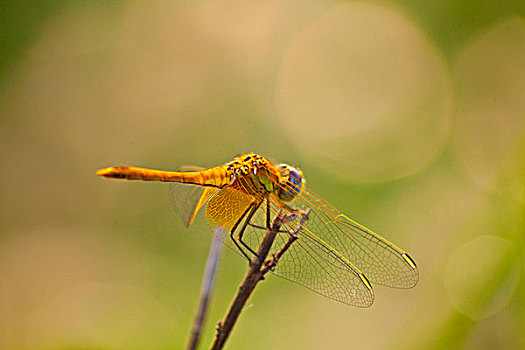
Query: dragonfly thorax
258, 176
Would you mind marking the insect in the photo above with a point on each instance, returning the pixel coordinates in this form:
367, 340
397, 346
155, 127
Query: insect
333, 255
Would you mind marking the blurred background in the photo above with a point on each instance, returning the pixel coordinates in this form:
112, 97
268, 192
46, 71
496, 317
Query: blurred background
408, 116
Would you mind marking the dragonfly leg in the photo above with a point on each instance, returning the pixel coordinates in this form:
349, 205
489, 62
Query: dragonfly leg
293, 215
249, 217
295, 210
249, 211
268, 214
264, 228
257, 226
294, 233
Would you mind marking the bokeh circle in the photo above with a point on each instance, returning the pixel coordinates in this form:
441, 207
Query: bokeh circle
482, 276
364, 93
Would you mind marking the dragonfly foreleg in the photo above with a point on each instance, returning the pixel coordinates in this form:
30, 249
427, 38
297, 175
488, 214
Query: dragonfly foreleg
294, 233
295, 210
293, 236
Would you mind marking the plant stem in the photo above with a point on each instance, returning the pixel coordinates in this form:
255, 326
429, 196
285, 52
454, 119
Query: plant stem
208, 282
256, 272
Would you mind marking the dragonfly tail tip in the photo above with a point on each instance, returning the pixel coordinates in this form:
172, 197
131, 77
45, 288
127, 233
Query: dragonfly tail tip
106, 172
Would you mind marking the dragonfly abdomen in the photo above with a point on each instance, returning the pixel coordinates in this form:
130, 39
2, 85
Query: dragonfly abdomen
216, 177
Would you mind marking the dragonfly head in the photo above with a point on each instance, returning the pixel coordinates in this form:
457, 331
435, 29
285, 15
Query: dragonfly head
292, 181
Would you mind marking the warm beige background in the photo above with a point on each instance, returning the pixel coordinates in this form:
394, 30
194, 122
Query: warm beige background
409, 117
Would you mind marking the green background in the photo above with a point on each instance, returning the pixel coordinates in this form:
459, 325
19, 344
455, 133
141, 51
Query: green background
408, 116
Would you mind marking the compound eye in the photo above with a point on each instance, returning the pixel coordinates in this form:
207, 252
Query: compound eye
292, 183
295, 177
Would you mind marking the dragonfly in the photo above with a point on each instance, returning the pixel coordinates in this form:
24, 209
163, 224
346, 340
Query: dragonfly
332, 255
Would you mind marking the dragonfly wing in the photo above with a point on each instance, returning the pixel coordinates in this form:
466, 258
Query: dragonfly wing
380, 260
187, 199
313, 264
227, 206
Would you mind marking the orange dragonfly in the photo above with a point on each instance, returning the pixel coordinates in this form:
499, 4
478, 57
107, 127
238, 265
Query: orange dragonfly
333, 255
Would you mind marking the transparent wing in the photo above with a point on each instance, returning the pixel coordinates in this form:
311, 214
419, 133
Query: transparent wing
313, 264
380, 260
333, 253
187, 199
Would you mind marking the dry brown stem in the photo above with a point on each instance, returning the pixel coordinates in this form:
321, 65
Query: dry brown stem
259, 267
